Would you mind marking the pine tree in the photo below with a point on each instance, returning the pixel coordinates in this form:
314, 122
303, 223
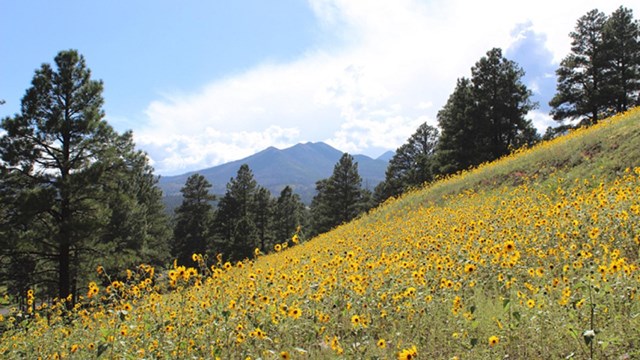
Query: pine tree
581, 75
263, 209
68, 178
138, 229
339, 198
458, 139
621, 43
321, 212
484, 118
412, 164
289, 215
235, 222
192, 233
501, 103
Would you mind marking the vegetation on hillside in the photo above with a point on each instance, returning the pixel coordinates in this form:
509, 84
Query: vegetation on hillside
534, 255
72, 190
506, 259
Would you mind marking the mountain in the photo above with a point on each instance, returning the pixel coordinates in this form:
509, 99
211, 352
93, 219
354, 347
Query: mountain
387, 156
299, 166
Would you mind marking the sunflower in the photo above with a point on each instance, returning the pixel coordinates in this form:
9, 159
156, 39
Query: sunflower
509, 246
408, 354
493, 340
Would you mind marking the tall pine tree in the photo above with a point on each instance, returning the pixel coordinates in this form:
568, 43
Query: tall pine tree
263, 217
601, 75
501, 104
485, 117
581, 75
193, 229
288, 215
68, 178
411, 165
621, 42
235, 221
340, 198
458, 140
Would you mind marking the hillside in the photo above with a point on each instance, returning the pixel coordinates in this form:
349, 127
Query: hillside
532, 256
299, 166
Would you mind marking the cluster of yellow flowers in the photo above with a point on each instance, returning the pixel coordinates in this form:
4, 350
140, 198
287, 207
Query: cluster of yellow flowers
472, 274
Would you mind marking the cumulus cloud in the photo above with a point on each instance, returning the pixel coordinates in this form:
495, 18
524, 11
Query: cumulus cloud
394, 66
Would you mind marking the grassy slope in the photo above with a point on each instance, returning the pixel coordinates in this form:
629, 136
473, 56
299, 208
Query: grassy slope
603, 151
517, 251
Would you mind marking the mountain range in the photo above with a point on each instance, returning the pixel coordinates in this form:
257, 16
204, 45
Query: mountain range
299, 166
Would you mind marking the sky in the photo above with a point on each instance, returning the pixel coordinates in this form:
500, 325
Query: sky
201, 83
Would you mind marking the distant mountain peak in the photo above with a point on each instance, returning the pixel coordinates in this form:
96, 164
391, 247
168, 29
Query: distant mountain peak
387, 156
299, 166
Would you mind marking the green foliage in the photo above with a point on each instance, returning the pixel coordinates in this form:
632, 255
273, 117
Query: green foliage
289, 214
263, 209
74, 191
581, 73
138, 228
339, 198
601, 75
484, 118
411, 165
621, 35
192, 233
457, 140
235, 222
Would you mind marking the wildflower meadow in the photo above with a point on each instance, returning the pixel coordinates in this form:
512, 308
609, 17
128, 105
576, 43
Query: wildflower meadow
535, 256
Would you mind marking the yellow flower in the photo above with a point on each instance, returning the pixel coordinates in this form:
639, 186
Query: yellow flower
295, 312
531, 303
509, 246
258, 333
356, 321
285, 355
381, 343
493, 340
408, 354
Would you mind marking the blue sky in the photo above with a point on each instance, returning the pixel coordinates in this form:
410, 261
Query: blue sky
205, 82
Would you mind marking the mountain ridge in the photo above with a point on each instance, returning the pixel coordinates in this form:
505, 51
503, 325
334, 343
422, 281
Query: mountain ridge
298, 166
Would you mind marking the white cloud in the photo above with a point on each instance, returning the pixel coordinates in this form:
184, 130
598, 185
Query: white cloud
541, 121
395, 66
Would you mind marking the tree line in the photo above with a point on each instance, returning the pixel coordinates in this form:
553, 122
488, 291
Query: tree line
485, 116
248, 220
76, 194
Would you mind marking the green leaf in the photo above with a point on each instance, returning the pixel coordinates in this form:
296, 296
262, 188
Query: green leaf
506, 303
516, 315
474, 342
